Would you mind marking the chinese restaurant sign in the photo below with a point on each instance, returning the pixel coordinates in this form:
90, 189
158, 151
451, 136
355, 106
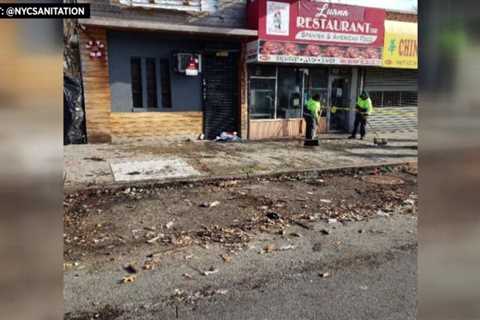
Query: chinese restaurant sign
401, 45
319, 32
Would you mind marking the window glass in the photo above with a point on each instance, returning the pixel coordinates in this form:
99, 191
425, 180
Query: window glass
151, 83
319, 78
262, 98
262, 71
289, 93
136, 73
165, 83
318, 84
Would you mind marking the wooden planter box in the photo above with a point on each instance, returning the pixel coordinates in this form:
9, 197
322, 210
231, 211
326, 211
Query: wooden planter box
281, 128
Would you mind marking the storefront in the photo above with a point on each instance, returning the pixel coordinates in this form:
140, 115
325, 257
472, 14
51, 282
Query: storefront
306, 48
395, 84
251, 73
151, 74
144, 78
393, 87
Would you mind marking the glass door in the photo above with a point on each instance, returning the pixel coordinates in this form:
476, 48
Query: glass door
262, 98
290, 93
317, 83
340, 103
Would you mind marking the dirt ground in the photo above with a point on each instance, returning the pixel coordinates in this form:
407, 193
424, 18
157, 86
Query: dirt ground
103, 224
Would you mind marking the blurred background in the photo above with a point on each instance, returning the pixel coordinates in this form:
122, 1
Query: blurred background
31, 166
449, 123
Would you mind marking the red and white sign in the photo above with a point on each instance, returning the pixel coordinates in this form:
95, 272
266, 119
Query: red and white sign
278, 18
292, 52
318, 32
192, 67
339, 24
313, 21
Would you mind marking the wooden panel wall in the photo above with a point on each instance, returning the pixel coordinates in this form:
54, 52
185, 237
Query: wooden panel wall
155, 124
322, 126
272, 129
243, 116
96, 87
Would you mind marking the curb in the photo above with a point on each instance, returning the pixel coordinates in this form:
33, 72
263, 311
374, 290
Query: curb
211, 179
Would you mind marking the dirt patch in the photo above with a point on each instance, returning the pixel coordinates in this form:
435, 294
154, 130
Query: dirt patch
101, 223
183, 148
390, 180
106, 313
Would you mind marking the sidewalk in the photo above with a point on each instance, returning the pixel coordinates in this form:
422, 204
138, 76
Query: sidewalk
162, 160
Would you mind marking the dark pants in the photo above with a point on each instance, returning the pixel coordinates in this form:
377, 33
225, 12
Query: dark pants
360, 120
311, 130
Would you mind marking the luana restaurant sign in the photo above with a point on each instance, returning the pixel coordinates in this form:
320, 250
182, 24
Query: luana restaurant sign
327, 22
318, 32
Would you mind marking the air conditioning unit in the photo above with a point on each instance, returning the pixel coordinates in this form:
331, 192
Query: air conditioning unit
184, 63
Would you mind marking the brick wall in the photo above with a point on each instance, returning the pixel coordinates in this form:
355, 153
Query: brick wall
406, 17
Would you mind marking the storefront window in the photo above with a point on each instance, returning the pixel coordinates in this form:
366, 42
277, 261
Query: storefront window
262, 71
281, 92
318, 84
262, 98
290, 84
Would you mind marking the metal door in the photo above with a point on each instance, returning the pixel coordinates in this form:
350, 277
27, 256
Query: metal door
220, 93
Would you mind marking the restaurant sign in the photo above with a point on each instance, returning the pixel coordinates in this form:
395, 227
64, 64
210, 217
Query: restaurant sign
341, 24
319, 32
401, 45
292, 52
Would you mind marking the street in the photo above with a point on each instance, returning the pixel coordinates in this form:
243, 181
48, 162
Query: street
328, 246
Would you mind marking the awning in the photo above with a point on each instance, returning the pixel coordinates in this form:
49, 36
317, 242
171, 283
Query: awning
116, 23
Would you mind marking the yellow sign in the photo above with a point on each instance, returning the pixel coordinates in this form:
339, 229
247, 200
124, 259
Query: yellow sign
401, 45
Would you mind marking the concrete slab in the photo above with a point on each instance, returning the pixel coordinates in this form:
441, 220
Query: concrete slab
124, 171
90, 164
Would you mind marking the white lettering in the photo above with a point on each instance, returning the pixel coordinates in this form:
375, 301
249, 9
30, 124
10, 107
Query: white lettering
300, 22
321, 11
335, 25
325, 11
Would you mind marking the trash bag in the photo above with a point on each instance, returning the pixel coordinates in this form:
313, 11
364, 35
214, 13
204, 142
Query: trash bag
228, 137
73, 112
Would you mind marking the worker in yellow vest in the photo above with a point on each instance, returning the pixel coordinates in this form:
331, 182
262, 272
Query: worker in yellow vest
311, 115
363, 108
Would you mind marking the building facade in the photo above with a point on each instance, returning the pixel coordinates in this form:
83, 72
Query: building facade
310, 47
134, 59
176, 68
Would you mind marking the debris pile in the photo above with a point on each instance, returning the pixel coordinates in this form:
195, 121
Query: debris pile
105, 222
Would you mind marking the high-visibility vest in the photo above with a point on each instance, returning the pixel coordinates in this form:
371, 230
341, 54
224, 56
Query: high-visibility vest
366, 105
313, 106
